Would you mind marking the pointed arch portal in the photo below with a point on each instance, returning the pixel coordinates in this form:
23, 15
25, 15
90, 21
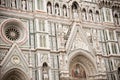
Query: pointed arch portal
15, 74
81, 67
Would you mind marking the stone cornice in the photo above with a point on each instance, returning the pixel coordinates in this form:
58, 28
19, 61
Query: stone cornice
16, 13
53, 18
109, 56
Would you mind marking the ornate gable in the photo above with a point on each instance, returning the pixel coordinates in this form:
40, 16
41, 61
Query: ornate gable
77, 39
14, 59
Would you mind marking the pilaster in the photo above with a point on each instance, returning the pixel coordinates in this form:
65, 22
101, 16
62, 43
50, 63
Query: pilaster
39, 66
47, 31
70, 11
64, 69
36, 4
111, 15
30, 64
37, 34
104, 13
40, 73
50, 75
45, 4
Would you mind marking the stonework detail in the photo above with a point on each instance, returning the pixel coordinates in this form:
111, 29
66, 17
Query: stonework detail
59, 40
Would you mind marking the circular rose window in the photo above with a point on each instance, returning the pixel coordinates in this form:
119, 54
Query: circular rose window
12, 33
13, 30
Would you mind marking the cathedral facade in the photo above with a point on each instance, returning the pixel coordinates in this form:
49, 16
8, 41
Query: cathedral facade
59, 40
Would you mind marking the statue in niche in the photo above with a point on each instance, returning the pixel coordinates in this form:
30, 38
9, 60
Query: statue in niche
90, 16
64, 11
13, 4
23, 4
118, 72
2, 2
45, 71
97, 17
75, 14
57, 10
84, 15
49, 8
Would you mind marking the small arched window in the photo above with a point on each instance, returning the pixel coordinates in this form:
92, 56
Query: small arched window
84, 14
57, 11
75, 9
97, 16
90, 15
64, 10
49, 8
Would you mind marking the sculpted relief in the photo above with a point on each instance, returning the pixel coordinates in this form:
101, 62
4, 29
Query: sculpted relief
78, 71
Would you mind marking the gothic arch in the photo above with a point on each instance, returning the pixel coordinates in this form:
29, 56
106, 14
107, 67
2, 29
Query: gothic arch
49, 7
90, 15
75, 10
81, 52
83, 58
84, 14
116, 18
16, 74
97, 12
75, 5
45, 71
57, 9
64, 8
97, 16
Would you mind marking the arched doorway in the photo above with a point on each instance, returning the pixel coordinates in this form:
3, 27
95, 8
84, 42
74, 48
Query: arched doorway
81, 67
14, 74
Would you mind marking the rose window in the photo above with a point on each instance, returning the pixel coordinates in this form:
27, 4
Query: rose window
13, 30
12, 33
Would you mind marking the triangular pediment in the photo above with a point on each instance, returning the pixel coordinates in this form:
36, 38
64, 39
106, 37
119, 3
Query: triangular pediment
77, 39
14, 59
